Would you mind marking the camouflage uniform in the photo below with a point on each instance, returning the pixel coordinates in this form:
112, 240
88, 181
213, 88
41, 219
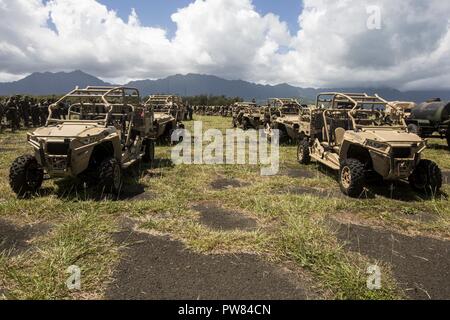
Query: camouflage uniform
34, 113
43, 111
24, 108
190, 112
12, 113
2, 115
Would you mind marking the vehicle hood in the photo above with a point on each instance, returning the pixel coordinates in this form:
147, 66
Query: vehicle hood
388, 136
290, 118
162, 116
70, 131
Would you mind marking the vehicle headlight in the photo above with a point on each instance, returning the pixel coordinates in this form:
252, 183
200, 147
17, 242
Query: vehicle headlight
377, 145
420, 145
86, 141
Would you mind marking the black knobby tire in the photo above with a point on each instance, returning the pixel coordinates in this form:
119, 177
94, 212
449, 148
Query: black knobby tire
245, 124
149, 155
426, 177
284, 138
110, 176
352, 178
303, 153
25, 175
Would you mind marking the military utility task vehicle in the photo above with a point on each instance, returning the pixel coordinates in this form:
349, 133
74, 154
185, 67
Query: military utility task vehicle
431, 120
285, 116
248, 115
107, 130
401, 106
171, 104
352, 134
166, 117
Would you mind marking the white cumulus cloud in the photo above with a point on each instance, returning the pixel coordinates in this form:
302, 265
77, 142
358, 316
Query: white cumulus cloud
229, 38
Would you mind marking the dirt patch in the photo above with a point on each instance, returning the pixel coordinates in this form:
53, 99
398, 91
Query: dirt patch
227, 183
321, 193
135, 192
420, 216
15, 239
300, 173
222, 219
157, 268
420, 265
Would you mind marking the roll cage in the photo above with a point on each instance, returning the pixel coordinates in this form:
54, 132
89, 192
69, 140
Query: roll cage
98, 105
163, 103
363, 110
248, 107
284, 106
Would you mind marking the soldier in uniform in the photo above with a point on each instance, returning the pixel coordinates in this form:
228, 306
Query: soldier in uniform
34, 113
2, 115
190, 112
43, 111
12, 113
24, 107
56, 113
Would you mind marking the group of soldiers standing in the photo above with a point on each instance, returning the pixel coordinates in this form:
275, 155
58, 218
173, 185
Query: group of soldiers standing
18, 112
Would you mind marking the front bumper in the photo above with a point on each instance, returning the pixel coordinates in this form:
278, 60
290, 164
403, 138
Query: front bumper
391, 168
56, 165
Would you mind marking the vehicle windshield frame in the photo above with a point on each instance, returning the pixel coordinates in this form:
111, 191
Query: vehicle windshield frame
108, 97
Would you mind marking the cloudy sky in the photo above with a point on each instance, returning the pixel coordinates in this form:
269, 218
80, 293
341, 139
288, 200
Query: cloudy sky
311, 43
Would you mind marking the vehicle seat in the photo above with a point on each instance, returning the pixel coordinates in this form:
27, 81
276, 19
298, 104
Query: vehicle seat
339, 136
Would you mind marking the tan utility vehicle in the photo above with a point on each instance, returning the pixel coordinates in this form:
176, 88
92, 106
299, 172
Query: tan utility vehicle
248, 115
170, 104
352, 134
106, 130
285, 116
166, 117
404, 107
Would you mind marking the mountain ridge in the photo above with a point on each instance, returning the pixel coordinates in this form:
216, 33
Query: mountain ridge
47, 83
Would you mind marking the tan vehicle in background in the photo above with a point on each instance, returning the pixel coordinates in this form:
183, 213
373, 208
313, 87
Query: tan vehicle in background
285, 117
404, 107
166, 117
106, 131
352, 134
248, 115
171, 104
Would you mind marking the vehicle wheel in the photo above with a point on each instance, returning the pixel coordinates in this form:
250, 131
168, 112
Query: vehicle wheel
426, 177
412, 128
352, 178
284, 138
149, 155
110, 176
25, 176
303, 153
245, 124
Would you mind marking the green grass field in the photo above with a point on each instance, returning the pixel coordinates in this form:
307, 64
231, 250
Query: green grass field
292, 227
